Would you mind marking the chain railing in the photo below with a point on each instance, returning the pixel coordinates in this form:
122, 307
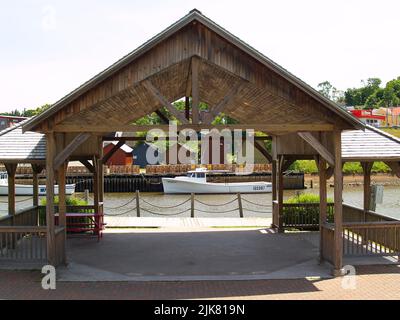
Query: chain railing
143, 205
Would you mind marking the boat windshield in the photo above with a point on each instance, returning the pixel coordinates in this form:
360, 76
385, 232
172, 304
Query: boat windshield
196, 175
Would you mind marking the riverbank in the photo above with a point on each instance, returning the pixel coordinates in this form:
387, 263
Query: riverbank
385, 179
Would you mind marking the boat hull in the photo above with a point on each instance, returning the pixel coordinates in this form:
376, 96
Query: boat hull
27, 190
174, 186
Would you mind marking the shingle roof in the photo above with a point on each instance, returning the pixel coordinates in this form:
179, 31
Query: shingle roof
371, 144
16, 146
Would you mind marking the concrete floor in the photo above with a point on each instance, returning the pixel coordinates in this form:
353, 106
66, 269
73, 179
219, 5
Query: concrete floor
169, 254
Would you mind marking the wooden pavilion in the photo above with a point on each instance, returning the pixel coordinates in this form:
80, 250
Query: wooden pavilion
199, 61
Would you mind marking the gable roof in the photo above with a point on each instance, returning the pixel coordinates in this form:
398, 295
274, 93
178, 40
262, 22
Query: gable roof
16, 146
371, 144
194, 15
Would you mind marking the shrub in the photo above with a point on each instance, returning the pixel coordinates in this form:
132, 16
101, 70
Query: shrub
70, 201
308, 214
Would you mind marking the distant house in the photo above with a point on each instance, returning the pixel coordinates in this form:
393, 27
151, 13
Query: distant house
9, 121
371, 117
122, 157
392, 116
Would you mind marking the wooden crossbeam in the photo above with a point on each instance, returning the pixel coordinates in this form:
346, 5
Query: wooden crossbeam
74, 144
164, 101
317, 146
263, 151
226, 100
395, 167
162, 116
112, 151
88, 165
275, 128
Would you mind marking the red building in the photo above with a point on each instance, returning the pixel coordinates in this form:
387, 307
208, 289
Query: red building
9, 121
122, 157
369, 117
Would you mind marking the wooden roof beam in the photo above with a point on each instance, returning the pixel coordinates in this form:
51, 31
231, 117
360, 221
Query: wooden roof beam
263, 151
103, 128
317, 146
160, 98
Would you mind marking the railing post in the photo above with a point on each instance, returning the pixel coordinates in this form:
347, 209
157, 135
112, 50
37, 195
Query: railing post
240, 205
192, 205
138, 203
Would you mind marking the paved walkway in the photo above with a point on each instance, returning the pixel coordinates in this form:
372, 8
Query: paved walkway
373, 282
178, 254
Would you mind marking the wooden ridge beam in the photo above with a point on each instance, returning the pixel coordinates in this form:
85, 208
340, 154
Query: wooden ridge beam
68, 150
198, 127
317, 146
164, 101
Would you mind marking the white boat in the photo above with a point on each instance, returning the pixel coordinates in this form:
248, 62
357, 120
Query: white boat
196, 182
27, 190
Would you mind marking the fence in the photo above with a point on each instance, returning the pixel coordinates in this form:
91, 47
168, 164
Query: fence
371, 238
304, 216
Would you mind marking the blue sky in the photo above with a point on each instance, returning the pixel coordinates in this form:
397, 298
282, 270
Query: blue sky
48, 48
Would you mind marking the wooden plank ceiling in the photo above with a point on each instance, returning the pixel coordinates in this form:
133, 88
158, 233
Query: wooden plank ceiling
253, 93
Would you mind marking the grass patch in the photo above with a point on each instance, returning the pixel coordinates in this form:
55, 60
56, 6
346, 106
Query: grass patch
310, 167
392, 131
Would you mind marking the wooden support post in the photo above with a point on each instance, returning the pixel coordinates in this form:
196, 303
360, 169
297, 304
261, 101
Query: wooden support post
281, 161
50, 236
36, 170
61, 196
338, 190
96, 184
192, 205
240, 205
275, 213
195, 91
138, 203
62, 209
367, 168
187, 108
323, 207
11, 170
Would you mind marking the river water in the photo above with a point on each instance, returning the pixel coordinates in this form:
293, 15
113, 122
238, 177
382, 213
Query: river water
254, 205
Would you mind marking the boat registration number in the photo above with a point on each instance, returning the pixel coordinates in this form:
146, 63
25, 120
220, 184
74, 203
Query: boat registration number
258, 188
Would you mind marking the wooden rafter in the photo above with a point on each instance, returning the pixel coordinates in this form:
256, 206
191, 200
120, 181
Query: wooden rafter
68, 150
162, 116
317, 146
160, 98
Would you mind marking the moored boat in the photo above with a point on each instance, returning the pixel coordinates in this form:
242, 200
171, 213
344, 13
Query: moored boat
27, 190
196, 182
